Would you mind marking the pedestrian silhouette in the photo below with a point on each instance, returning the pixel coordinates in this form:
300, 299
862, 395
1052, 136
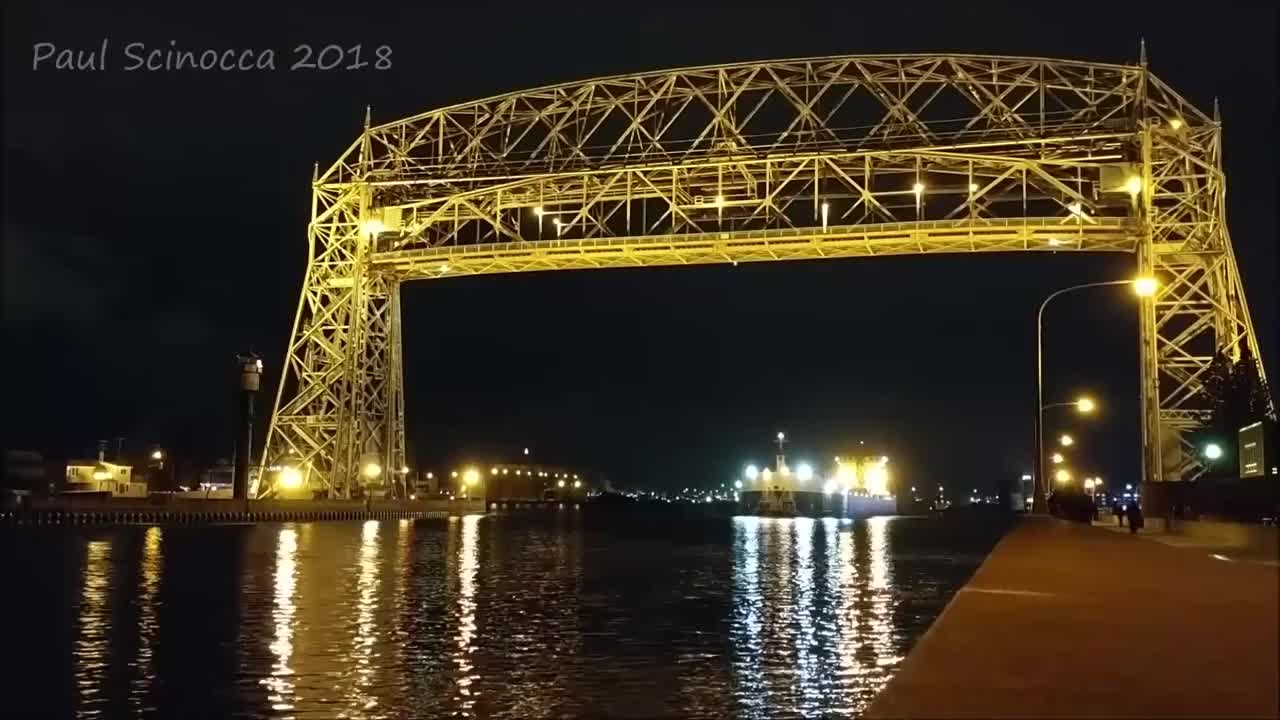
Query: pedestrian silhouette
1135, 518
1118, 512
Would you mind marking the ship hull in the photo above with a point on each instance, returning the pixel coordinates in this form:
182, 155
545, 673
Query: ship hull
814, 504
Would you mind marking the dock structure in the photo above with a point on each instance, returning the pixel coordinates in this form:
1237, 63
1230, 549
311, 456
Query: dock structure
1067, 620
114, 511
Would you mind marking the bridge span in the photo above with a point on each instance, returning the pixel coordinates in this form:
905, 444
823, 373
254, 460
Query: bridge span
811, 158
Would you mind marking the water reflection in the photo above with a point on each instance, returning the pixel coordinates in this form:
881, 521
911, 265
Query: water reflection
761, 618
148, 627
280, 683
468, 564
827, 641
92, 648
746, 630
363, 652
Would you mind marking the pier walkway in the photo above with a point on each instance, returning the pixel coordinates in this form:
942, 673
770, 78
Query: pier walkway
1067, 620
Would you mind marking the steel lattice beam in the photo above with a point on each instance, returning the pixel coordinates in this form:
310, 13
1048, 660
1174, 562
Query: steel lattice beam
764, 161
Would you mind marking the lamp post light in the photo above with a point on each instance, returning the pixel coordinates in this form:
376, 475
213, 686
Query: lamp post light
1143, 287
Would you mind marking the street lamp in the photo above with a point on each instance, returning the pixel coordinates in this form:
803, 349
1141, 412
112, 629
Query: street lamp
1143, 287
1066, 441
1062, 476
752, 473
1057, 458
1213, 451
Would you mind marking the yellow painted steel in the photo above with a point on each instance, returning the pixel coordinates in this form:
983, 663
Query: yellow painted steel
812, 158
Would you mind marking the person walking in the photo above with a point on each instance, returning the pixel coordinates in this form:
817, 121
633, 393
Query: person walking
1135, 518
1118, 512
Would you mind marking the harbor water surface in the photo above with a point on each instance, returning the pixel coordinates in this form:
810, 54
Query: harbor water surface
588, 613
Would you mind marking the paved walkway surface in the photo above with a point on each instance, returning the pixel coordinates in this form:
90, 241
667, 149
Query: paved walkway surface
1221, 550
1066, 620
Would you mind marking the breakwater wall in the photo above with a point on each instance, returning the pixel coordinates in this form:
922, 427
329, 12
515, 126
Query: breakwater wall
78, 511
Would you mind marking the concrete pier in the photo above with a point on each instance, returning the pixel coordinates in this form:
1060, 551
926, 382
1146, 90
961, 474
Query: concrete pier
1066, 620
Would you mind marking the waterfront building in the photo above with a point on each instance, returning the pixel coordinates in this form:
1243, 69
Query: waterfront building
100, 476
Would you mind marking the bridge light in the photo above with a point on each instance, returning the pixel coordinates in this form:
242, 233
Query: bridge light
1213, 451
444, 267
493, 471
560, 483
737, 484
767, 474
372, 470
1085, 405
1057, 458
1176, 123
431, 476
1055, 242
752, 473
918, 189
829, 487
804, 472
826, 209
471, 477
372, 226
453, 474
290, 478
1133, 185
537, 210
719, 201
781, 436
1067, 440
1145, 286
404, 469
577, 484
1062, 476
973, 188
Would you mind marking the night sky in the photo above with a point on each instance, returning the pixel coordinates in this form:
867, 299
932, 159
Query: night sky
155, 225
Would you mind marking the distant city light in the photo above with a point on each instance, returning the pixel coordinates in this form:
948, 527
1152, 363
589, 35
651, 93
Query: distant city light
737, 484
752, 472
804, 472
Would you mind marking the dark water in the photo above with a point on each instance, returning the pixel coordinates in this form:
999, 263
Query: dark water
588, 613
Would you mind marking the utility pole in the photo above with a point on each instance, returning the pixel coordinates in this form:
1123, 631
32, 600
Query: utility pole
250, 376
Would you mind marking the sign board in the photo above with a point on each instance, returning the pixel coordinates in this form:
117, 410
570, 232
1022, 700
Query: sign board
1254, 453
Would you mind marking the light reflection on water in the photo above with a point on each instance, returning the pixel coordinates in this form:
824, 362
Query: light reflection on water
93, 640
286, 580
514, 617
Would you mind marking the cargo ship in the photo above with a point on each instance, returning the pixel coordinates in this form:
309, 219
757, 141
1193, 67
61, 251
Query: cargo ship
855, 489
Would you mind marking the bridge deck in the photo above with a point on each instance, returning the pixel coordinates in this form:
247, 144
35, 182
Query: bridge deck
1073, 621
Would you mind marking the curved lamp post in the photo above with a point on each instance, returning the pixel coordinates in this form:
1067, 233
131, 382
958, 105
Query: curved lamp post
1143, 287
